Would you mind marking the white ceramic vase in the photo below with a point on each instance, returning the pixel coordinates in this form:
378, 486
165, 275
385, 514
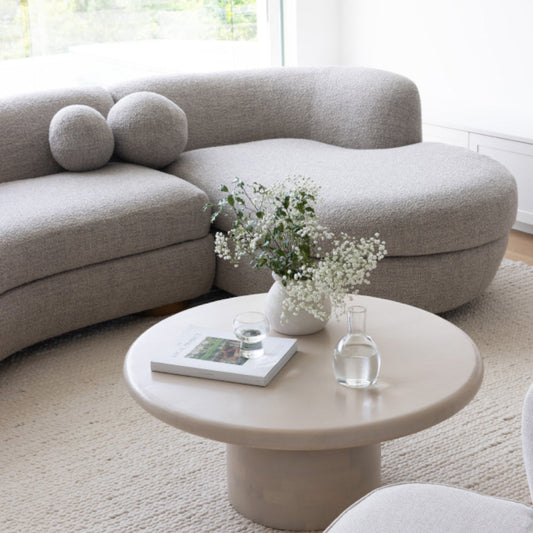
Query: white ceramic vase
303, 323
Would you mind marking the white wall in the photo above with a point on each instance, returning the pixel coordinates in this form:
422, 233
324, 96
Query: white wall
471, 59
312, 32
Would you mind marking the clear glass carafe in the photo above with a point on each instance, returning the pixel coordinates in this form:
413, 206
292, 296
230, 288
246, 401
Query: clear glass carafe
356, 359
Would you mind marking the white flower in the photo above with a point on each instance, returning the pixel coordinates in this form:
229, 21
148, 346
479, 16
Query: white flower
277, 227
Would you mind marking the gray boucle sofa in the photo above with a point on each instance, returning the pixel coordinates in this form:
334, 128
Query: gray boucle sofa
77, 248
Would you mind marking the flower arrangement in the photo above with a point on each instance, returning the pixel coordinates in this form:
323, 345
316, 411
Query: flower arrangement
277, 227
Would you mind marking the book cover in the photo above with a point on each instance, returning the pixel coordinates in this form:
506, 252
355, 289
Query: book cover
213, 354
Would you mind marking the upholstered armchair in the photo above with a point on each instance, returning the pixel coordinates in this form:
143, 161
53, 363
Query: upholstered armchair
425, 508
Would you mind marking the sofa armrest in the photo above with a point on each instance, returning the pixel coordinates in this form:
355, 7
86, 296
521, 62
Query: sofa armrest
365, 108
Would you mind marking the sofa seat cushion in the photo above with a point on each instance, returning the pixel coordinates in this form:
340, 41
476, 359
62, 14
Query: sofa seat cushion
424, 198
69, 220
424, 508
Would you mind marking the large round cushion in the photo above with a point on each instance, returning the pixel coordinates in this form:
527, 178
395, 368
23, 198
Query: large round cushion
149, 129
80, 138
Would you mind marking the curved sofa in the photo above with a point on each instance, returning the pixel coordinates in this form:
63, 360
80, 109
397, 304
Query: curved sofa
444, 211
77, 248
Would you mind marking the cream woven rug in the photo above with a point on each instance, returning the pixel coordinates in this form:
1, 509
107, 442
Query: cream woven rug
78, 454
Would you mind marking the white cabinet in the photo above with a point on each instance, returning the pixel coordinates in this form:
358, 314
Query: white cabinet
441, 134
515, 154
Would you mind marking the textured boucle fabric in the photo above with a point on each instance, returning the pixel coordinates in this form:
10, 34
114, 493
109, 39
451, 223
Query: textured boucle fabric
149, 129
76, 298
435, 282
422, 508
24, 126
78, 453
424, 198
80, 138
527, 437
116, 211
347, 106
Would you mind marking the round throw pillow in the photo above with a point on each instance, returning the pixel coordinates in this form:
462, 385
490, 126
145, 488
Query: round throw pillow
80, 138
149, 129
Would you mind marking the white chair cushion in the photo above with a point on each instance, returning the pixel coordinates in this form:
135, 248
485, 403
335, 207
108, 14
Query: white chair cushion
424, 508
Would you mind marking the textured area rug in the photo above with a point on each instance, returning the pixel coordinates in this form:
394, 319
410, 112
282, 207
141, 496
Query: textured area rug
78, 454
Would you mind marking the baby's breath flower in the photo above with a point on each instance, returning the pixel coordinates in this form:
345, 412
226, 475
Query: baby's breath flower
277, 227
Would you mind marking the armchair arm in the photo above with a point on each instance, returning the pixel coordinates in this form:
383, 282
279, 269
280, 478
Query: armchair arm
527, 436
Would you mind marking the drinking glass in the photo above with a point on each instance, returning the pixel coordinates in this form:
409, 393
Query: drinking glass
251, 328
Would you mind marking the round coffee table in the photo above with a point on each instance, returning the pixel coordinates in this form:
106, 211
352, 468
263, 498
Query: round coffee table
303, 448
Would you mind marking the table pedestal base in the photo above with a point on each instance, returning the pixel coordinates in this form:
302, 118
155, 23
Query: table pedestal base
299, 490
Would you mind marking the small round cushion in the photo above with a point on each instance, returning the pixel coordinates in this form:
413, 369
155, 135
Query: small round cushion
149, 129
80, 138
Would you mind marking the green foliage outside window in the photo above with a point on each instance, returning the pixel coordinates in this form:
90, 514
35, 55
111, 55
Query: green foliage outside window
36, 27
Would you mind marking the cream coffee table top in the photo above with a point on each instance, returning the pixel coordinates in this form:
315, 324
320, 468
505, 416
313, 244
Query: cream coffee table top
430, 370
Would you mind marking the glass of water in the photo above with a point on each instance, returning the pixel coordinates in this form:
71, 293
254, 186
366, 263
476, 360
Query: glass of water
356, 358
251, 328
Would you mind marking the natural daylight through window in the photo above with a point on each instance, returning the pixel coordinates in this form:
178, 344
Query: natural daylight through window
59, 43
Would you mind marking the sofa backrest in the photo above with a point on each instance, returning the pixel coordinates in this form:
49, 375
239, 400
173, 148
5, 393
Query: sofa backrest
24, 124
346, 106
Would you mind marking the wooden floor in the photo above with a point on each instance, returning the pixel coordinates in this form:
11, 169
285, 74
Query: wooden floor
520, 247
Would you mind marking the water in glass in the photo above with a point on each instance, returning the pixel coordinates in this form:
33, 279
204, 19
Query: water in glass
251, 329
356, 358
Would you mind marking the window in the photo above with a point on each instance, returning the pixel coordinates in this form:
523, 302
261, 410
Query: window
54, 43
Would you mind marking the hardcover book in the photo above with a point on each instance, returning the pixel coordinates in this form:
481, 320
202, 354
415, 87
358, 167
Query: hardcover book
213, 354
